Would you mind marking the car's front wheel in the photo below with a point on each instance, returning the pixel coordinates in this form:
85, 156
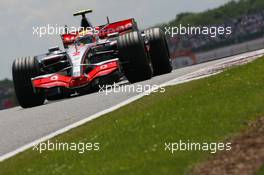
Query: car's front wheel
159, 52
23, 70
135, 62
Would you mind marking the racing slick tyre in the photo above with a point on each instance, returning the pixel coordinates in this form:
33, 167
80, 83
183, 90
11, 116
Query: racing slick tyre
23, 70
159, 52
135, 62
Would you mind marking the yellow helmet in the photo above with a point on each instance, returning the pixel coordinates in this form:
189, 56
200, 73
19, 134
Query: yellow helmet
84, 33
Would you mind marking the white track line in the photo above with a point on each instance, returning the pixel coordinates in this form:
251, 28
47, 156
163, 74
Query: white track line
179, 80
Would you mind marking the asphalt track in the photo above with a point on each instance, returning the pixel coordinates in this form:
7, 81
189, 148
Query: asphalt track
19, 127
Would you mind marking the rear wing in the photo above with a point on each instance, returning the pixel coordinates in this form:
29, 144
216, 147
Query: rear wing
117, 27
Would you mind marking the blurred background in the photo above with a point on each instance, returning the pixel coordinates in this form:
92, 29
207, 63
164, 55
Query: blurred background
246, 17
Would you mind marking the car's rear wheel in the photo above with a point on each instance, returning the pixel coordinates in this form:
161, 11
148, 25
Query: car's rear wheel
159, 52
135, 62
23, 70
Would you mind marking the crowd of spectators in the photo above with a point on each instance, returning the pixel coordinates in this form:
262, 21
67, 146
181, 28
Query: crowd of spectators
244, 28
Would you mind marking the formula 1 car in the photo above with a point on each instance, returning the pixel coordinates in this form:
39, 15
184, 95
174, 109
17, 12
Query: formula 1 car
91, 57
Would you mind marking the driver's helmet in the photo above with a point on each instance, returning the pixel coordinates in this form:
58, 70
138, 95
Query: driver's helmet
85, 37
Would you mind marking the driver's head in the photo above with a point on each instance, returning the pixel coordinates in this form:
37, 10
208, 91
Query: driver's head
85, 32
85, 37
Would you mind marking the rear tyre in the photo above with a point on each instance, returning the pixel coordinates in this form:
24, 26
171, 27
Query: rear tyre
135, 62
159, 52
23, 70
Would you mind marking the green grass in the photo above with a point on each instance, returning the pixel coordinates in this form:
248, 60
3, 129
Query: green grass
260, 171
132, 138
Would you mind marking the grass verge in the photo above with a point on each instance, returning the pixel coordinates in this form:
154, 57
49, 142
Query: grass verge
260, 171
132, 138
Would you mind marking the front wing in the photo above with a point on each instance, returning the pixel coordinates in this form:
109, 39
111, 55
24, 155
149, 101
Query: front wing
57, 80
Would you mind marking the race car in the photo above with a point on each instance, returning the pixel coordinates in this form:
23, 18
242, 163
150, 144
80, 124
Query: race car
91, 57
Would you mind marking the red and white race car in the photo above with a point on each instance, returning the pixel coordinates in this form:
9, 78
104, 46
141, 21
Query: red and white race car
91, 57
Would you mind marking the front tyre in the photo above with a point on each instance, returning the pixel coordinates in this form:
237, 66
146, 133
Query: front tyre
23, 70
135, 62
159, 52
